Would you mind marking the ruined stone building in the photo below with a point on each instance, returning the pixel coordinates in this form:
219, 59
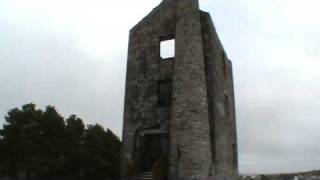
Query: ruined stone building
179, 117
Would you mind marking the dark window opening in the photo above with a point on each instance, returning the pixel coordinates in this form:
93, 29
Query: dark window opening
226, 104
164, 93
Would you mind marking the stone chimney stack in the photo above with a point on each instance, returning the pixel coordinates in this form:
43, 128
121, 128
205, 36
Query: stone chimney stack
179, 117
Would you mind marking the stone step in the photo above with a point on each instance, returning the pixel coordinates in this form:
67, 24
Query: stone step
142, 178
145, 175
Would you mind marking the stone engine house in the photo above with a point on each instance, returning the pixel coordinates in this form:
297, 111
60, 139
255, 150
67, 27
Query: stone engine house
179, 117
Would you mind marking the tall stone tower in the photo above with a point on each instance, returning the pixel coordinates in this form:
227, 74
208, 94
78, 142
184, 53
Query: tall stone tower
179, 118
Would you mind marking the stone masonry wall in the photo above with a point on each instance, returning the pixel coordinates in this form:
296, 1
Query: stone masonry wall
190, 120
144, 70
201, 119
221, 103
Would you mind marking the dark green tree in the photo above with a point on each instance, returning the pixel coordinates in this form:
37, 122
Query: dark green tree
2, 165
19, 140
75, 131
52, 132
264, 177
112, 154
94, 147
40, 144
75, 153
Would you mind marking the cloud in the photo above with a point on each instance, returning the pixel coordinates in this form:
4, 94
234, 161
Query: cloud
72, 49
275, 62
50, 69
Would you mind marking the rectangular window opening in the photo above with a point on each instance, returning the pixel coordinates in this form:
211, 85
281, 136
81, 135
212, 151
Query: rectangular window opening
226, 104
164, 93
167, 49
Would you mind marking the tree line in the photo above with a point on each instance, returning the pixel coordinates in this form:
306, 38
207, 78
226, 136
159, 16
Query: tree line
41, 144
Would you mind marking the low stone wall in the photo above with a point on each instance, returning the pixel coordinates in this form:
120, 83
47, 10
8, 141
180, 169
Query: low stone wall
281, 177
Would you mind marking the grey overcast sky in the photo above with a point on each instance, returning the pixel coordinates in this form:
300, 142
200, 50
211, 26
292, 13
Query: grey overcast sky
72, 54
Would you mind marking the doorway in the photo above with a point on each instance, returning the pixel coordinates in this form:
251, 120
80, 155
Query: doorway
155, 145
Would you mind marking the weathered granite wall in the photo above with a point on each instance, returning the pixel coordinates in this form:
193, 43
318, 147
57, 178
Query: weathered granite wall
200, 120
190, 142
221, 103
145, 69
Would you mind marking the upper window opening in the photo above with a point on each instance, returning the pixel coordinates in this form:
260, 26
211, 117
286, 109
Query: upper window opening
167, 49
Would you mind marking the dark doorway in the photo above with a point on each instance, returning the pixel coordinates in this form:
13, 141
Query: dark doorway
155, 145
